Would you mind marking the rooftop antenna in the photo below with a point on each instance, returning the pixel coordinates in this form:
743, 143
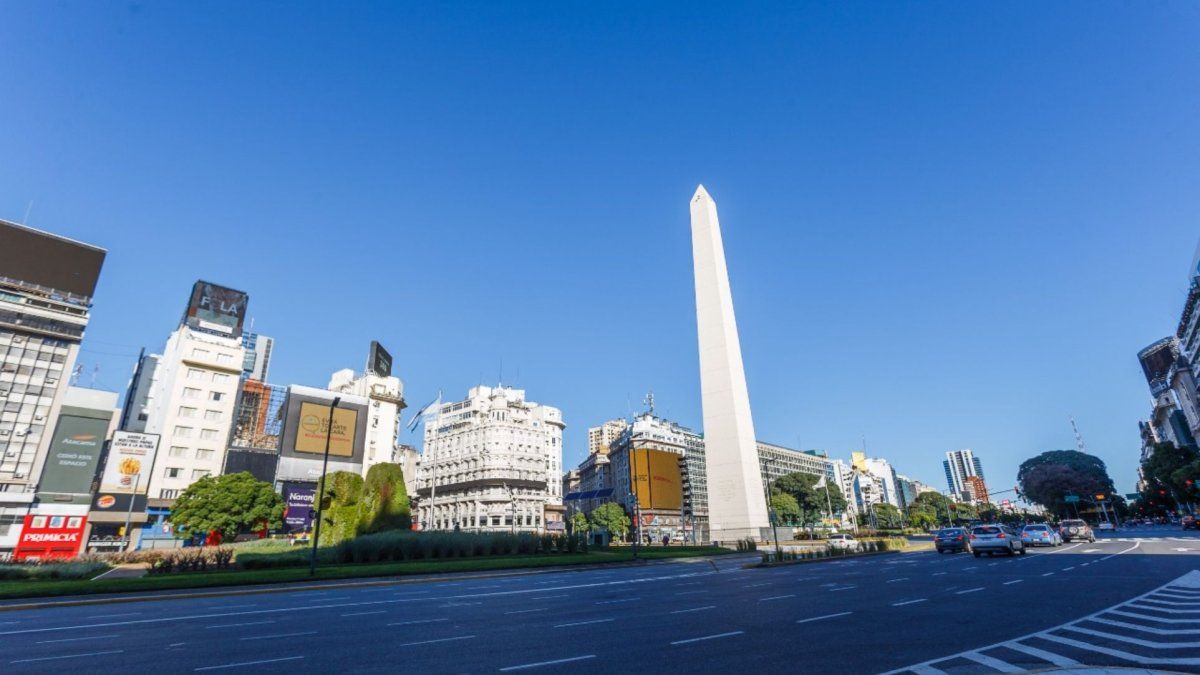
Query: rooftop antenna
95, 372
500, 382
1079, 445
28, 208
648, 401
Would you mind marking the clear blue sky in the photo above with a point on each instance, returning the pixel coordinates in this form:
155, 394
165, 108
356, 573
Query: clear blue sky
947, 225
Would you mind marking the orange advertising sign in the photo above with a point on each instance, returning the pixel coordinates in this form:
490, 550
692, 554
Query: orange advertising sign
656, 479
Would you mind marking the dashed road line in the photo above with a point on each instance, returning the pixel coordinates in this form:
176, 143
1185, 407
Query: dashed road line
824, 616
707, 637
249, 663
908, 602
970, 590
583, 623
555, 662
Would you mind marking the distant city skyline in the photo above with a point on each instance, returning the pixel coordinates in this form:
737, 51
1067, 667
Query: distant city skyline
937, 245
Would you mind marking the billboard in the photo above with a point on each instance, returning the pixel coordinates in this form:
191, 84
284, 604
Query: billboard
1156, 361
46, 260
298, 501
216, 309
74, 455
380, 361
312, 430
656, 479
46, 537
130, 458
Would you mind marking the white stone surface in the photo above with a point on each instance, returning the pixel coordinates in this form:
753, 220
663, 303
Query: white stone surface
736, 502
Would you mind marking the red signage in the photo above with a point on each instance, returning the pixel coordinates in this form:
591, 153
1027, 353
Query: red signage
49, 537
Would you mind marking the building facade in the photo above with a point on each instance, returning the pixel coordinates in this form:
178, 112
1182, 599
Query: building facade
46, 288
257, 362
492, 463
958, 465
386, 394
599, 438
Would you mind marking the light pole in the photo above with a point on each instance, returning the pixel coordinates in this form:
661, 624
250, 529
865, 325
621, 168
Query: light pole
137, 477
312, 561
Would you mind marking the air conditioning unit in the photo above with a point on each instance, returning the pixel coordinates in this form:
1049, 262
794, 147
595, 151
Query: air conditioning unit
18, 475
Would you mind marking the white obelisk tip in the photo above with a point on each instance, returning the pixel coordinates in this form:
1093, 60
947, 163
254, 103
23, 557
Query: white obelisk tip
701, 193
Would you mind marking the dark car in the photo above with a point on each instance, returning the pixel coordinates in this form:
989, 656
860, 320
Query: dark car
1076, 529
1188, 522
953, 539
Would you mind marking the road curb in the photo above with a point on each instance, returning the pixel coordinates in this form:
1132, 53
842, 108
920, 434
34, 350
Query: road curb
913, 549
334, 584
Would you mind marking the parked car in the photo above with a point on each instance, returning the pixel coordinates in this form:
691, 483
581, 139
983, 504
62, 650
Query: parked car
993, 539
1108, 526
843, 542
1040, 535
1188, 522
953, 539
1070, 530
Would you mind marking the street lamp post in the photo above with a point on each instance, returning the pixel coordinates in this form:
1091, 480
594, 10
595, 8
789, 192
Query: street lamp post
312, 561
137, 478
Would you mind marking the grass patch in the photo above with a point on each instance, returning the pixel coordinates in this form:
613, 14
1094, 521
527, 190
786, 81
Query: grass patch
201, 580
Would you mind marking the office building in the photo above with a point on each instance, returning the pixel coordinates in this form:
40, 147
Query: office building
46, 288
885, 475
599, 438
492, 463
737, 509
386, 394
775, 461
958, 465
976, 490
257, 427
257, 360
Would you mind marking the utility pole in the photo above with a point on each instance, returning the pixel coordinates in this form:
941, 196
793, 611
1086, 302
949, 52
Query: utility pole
312, 561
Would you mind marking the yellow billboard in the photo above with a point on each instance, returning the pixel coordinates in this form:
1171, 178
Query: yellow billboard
314, 425
656, 479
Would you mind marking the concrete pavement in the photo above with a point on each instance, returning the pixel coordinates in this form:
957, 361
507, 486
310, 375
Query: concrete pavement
921, 611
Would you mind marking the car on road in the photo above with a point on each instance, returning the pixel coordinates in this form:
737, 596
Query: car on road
1073, 529
953, 539
1040, 535
993, 539
843, 542
1106, 526
1188, 522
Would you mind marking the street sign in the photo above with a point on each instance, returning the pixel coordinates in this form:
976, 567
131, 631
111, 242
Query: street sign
1132, 496
1071, 499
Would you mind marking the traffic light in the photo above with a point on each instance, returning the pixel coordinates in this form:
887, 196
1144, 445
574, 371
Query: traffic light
1099, 498
1189, 482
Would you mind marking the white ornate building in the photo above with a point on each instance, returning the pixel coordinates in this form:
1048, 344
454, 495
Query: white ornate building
492, 463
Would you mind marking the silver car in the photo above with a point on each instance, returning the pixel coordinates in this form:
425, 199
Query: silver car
993, 539
1040, 535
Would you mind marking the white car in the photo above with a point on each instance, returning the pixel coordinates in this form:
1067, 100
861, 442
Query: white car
843, 542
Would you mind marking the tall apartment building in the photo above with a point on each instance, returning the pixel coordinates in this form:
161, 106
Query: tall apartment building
257, 362
386, 394
601, 437
46, 288
194, 390
959, 464
492, 463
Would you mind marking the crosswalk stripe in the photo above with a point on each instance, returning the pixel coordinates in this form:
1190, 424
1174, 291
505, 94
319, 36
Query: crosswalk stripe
1148, 629
1145, 617
996, 664
1056, 659
1132, 640
1136, 658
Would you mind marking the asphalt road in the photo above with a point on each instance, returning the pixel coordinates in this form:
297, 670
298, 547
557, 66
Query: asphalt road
922, 612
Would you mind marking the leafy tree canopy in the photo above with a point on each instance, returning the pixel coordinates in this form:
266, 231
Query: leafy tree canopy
611, 516
787, 511
234, 504
1049, 477
813, 502
579, 522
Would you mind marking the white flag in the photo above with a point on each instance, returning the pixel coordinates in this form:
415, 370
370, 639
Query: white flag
820, 484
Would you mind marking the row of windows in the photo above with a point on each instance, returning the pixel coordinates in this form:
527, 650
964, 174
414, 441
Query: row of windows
193, 394
205, 434
176, 472
197, 375
180, 451
209, 415
204, 354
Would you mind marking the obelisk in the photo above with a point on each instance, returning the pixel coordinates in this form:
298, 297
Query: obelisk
736, 504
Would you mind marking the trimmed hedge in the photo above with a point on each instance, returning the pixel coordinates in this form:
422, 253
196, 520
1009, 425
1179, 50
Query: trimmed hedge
51, 570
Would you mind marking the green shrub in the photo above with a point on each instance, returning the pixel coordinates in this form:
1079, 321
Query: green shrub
51, 570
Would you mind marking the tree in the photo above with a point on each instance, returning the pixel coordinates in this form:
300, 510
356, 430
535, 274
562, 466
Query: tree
342, 507
922, 517
1171, 473
611, 516
787, 511
813, 502
930, 505
1049, 477
887, 515
579, 522
233, 504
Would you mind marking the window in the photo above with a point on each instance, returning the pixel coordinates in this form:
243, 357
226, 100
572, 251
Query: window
208, 434
74, 522
189, 392
185, 411
195, 374
177, 451
199, 473
37, 522
224, 358
200, 353
173, 471
220, 378
212, 415
215, 396
168, 494
204, 453
183, 432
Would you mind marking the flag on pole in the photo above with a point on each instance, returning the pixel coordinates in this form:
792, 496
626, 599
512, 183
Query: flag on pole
417, 417
820, 484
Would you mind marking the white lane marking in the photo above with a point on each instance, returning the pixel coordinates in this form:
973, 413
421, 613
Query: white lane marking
690, 592
843, 588
1047, 574
528, 611
756, 585
614, 602
1132, 640
1056, 659
67, 656
461, 604
938, 574
993, 564
777, 597
1128, 656
1068, 569
1146, 617
111, 616
548, 663
1131, 548
1014, 581
239, 606
1170, 602
249, 663
417, 621
429, 642
908, 602
583, 623
707, 637
1140, 604
969, 590
90, 637
550, 597
239, 625
377, 611
823, 617
892, 581
926, 670
278, 635
970, 568
1091, 550
995, 664
694, 609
